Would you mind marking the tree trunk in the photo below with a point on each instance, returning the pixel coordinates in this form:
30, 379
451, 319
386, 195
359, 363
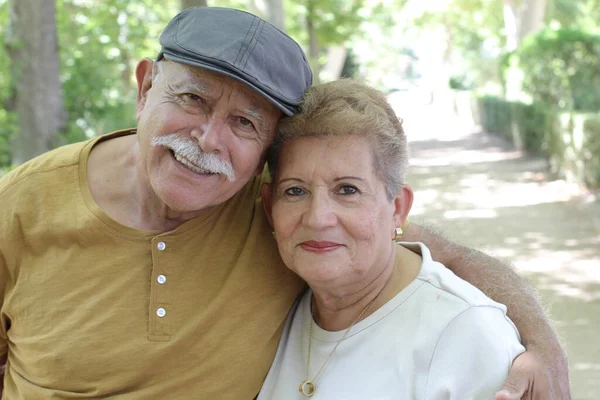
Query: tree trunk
276, 13
192, 3
523, 20
33, 47
532, 17
269, 10
313, 42
126, 58
511, 25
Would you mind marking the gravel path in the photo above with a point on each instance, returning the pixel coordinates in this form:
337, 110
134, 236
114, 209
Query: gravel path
485, 194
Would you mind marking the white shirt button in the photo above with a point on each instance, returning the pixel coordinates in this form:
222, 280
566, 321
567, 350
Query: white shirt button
161, 312
161, 246
161, 279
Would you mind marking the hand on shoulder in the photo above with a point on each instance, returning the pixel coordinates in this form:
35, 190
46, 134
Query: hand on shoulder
539, 373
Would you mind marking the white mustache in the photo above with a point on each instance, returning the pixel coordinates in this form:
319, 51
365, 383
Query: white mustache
189, 149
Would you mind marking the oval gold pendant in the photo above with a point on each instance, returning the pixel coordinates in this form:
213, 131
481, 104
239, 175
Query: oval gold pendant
307, 388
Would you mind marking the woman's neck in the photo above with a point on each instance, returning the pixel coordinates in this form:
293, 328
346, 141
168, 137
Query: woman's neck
336, 309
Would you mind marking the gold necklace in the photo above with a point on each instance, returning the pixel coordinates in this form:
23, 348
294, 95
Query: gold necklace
308, 387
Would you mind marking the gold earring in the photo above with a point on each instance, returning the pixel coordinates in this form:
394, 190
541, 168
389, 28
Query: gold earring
397, 235
274, 235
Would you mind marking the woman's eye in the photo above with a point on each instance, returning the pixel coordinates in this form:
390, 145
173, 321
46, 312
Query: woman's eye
294, 191
347, 190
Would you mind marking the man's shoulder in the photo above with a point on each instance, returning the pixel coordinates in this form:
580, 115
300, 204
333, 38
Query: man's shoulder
56, 160
61, 157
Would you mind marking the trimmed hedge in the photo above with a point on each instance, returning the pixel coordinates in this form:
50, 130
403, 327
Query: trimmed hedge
558, 67
570, 141
574, 147
525, 125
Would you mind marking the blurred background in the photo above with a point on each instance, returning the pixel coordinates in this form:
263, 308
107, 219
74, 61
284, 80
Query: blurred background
500, 100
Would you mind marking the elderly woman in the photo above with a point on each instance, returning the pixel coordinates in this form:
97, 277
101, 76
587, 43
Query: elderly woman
379, 321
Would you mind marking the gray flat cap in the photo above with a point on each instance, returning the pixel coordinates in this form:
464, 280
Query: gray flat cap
242, 46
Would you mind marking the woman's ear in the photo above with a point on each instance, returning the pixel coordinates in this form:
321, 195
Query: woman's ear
267, 198
402, 205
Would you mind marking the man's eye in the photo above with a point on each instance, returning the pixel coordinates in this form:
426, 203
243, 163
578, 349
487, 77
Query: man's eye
347, 190
294, 191
193, 97
246, 122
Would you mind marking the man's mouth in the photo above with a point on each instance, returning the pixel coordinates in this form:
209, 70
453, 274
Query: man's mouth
189, 165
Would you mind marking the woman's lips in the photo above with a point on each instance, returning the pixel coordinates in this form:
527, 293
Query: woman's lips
319, 247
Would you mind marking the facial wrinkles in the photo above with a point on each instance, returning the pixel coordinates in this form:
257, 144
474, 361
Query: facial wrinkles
187, 148
189, 86
237, 94
216, 89
358, 217
256, 115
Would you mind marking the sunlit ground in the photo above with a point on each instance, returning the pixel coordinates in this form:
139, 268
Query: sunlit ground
485, 194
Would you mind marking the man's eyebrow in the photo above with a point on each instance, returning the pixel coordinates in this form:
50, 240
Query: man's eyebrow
189, 86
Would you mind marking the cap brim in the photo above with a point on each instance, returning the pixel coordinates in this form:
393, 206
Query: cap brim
287, 108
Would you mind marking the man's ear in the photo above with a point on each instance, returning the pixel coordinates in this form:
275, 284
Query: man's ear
402, 205
267, 201
143, 75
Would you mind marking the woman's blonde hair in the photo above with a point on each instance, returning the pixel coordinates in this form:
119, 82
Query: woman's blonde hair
349, 107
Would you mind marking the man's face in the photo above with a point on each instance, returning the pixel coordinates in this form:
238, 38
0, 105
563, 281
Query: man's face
202, 135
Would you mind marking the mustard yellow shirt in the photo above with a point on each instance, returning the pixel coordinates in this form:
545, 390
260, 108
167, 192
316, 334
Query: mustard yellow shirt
91, 308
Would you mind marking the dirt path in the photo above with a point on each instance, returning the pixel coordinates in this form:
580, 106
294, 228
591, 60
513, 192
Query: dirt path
485, 194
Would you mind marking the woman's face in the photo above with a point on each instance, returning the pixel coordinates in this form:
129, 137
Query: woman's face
332, 218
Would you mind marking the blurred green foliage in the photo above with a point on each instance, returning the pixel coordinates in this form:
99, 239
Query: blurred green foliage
100, 44
460, 82
495, 115
7, 118
560, 68
591, 150
99, 47
350, 68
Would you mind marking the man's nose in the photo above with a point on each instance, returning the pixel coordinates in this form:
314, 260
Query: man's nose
211, 135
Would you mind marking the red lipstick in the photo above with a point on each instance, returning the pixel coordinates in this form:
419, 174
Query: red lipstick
319, 247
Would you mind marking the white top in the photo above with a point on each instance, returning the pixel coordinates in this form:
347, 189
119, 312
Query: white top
439, 338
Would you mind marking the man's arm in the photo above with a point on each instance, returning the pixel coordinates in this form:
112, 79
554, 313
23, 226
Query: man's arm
542, 371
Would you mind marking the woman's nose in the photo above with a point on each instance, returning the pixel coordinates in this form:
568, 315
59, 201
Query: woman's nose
320, 214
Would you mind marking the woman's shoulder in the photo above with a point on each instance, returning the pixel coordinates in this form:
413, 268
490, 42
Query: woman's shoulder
473, 354
445, 284
444, 300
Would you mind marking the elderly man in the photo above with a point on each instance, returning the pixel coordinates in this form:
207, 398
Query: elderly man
137, 265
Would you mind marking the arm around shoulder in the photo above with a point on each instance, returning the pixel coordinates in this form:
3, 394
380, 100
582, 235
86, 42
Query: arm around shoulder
473, 355
546, 361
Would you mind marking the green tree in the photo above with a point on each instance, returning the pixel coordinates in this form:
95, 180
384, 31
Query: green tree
100, 46
192, 3
319, 24
472, 32
7, 92
522, 18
